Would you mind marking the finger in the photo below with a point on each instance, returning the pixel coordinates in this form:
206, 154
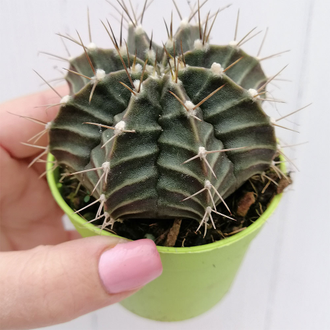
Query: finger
73, 234
14, 130
55, 284
29, 214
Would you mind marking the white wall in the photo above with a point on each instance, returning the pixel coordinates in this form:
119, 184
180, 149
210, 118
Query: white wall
284, 282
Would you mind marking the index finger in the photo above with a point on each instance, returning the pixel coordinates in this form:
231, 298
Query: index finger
15, 129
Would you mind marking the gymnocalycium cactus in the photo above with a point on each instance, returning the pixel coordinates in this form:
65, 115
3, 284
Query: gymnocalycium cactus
163, 132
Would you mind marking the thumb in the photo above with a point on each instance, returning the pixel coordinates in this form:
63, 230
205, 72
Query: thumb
54, 284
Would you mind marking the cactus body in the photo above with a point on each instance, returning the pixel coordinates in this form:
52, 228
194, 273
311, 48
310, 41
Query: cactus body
155, 157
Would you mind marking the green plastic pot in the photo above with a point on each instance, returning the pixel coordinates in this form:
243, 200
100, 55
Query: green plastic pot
194, 279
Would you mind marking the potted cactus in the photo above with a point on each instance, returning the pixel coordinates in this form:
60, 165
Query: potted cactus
166, 133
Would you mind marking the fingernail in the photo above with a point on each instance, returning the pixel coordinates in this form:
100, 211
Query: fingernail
129, 266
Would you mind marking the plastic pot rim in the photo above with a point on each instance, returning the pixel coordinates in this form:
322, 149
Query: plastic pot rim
162, 249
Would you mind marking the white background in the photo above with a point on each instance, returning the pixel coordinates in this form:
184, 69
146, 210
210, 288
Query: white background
284, 282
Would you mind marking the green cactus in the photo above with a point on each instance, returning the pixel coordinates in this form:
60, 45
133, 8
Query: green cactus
163, 132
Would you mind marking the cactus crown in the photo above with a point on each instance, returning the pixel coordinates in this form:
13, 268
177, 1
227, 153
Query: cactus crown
163, 132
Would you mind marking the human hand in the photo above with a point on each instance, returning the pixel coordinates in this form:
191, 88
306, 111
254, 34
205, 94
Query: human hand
49, 276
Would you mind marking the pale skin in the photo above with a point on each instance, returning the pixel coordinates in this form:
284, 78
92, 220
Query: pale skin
47, 274
21, 191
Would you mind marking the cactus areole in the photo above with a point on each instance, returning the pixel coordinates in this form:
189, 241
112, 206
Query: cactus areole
163, 132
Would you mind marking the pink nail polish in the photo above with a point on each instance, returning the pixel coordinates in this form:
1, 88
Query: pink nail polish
129, 266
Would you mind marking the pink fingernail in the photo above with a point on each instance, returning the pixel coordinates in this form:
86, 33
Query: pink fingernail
129, 266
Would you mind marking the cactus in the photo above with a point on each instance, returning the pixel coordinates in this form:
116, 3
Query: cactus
163, 132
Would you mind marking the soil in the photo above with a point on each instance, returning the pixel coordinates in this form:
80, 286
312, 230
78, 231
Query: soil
246, 204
